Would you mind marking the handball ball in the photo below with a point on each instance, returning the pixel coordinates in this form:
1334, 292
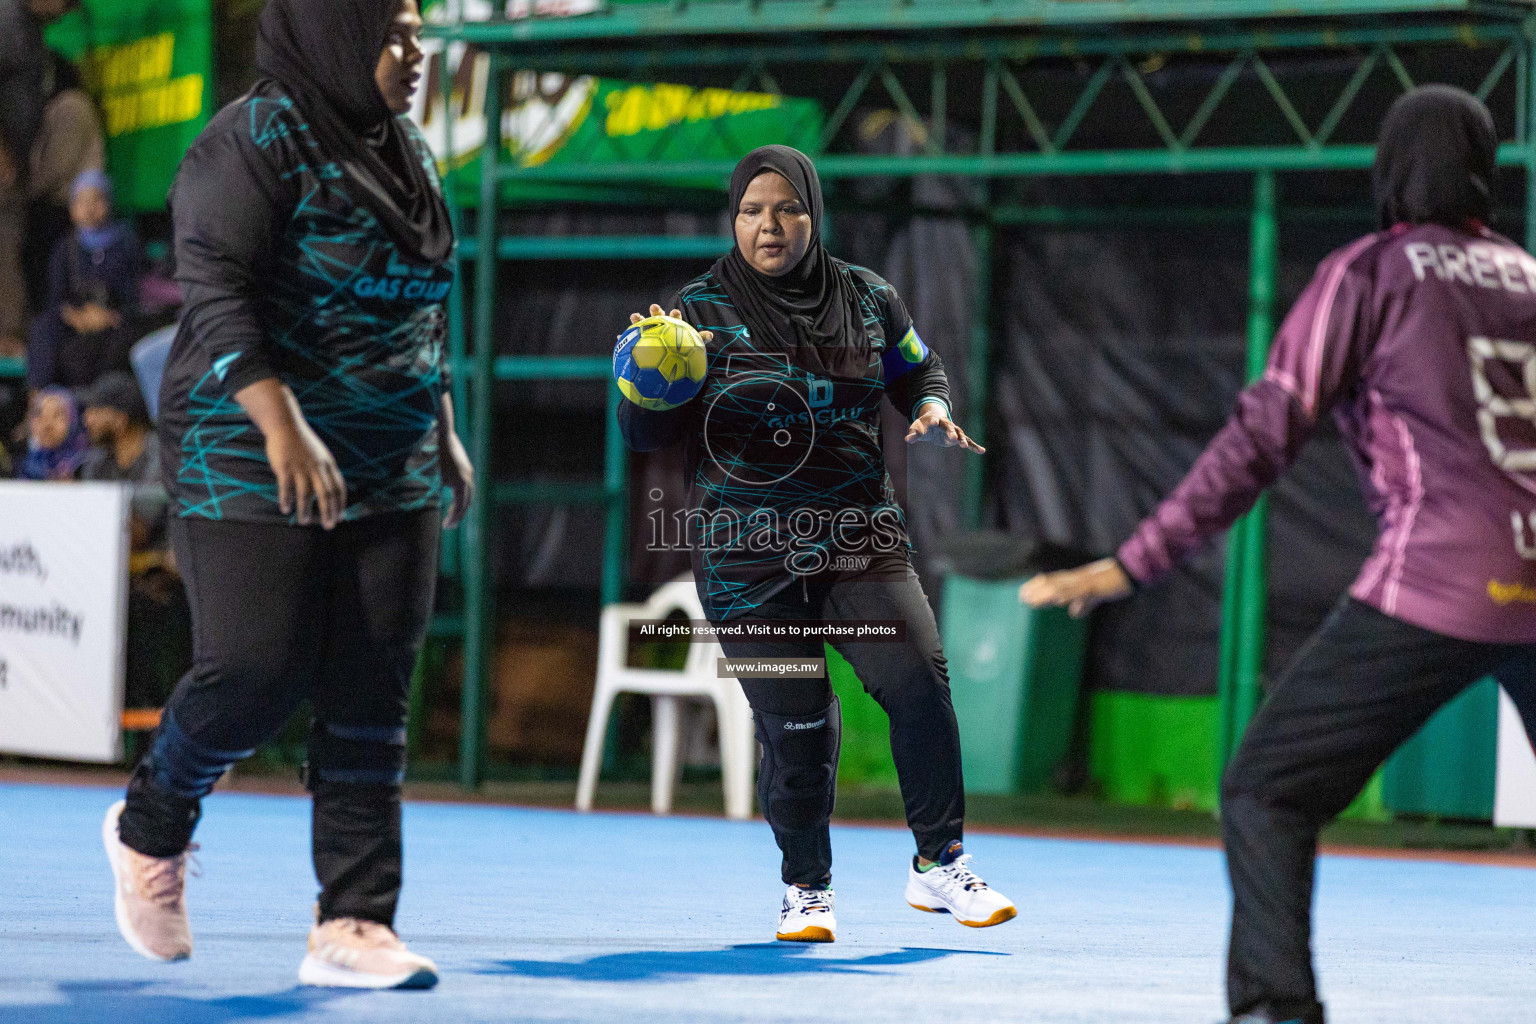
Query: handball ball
659, 363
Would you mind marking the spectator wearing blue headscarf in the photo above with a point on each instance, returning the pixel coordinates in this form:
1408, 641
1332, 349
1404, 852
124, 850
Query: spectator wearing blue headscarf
57, 443
87, 327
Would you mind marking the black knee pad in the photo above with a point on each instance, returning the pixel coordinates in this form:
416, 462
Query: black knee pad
181, 766
154, 822
167, 787
798, 778
355, 755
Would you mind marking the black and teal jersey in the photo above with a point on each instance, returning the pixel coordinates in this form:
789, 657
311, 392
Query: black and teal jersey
785, 468
287, 275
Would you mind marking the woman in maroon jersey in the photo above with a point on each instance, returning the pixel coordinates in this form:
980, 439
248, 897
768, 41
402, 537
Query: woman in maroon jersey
1417, 337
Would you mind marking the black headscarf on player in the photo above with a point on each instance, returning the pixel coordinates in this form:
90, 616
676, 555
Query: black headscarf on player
323, 53
813, 311
1435, 159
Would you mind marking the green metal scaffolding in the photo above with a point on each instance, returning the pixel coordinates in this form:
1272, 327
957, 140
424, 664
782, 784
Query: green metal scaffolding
892, 53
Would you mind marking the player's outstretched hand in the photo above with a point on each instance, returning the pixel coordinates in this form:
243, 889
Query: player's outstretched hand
933, 426
676, 314
1081, 590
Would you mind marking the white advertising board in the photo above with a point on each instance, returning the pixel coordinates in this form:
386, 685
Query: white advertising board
1514, 793
63, 603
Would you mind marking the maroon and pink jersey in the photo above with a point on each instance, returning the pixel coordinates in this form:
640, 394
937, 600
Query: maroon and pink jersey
1422, 342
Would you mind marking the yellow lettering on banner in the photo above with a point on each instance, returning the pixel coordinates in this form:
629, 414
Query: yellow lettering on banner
654, 107
133, 81
174, 102
110, 69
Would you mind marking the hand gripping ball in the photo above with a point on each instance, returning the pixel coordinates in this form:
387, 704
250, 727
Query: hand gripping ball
659, 363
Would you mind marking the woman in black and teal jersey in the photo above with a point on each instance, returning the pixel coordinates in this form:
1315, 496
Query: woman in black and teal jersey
307, 438
792, 517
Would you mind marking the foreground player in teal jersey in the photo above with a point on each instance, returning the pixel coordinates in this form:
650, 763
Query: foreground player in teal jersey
307, 438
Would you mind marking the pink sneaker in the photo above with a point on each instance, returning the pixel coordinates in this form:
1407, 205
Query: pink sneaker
151, 895
346, 952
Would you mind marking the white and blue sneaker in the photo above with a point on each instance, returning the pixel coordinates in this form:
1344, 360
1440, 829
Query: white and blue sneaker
807, 916
951, 887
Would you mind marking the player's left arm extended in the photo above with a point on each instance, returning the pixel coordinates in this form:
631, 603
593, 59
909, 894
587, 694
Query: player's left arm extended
914, 373
1316, 359
910, 386
916, 384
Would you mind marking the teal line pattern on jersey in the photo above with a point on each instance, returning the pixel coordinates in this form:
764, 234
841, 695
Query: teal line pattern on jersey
369, 384
741, 495
222, 364
208, 403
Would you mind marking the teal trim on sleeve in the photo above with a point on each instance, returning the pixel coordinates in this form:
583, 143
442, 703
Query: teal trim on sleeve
931, 398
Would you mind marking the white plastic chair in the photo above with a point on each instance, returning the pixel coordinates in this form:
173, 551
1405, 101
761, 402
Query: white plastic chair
667, 689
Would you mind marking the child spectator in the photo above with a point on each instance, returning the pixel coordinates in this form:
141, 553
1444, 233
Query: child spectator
56, 441
93, 293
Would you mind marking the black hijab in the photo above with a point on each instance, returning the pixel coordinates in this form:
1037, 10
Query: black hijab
1435, 159
812, 312
323, 53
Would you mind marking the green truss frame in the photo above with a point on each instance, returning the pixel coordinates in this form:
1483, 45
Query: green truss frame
905, 55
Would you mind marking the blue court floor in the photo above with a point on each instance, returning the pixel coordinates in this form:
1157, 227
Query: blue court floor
537, 915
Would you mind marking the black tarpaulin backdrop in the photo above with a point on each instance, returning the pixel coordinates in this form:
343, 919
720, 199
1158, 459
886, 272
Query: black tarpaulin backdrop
1122, 352
1116, 354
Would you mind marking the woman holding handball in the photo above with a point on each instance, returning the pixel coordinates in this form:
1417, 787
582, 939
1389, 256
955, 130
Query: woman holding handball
307, 437
798, 521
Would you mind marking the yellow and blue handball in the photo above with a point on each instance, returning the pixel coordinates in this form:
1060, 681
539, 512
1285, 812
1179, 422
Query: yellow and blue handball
659, 363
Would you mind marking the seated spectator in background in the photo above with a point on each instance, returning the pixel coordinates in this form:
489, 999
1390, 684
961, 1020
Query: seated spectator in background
69, 141
117, 422
24, 98
56, 441
87, 327
13, 425
159, 623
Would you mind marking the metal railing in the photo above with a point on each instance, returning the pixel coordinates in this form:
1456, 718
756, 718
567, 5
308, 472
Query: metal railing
879, 52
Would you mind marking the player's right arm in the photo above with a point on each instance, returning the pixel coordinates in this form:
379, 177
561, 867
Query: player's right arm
1316, 357
229, 198
647, 430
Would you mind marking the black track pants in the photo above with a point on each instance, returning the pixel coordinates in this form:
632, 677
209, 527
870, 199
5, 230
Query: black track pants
281, 613
1360, 687
908, 680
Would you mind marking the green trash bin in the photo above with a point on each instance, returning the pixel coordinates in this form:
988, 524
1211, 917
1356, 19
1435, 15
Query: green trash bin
864, 761
1014, 676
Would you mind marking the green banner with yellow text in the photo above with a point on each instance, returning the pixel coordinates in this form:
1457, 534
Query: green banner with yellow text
149, 66
551, 121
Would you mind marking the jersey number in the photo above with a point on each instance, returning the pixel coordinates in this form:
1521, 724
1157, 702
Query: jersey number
1492, 407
